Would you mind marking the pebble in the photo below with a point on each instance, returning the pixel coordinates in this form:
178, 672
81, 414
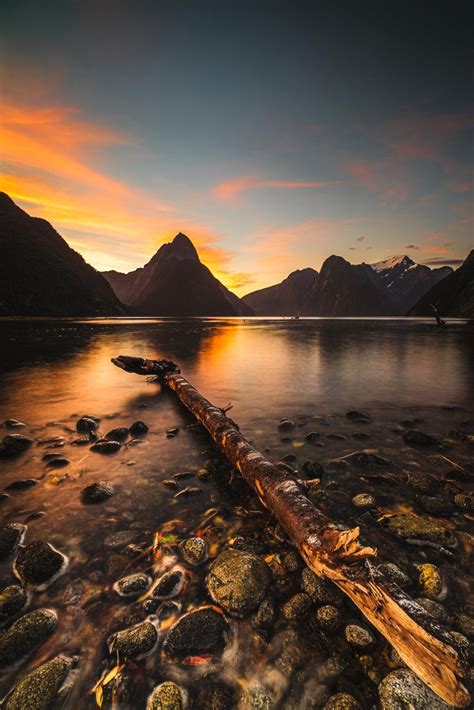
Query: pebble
190, 491
312, 437
436, 506
403, 690
120, 539
171, 433
39, 563
11, 536
395, 574
423, 482
431, 582
138, 429
291, 562
436, 610
13, 424
118, 434
136, 642
26, 634
58, 462
13, 445
169, 585
410, 526
320, 590
201, 631
358, 637
342, 701
312, 469
336, 437
465, 623
360, 435
82, 441
167, 696
286, 425
296, 608
22, 484
414, 437
464, 501
106, 447
265, 614
97, 492
363, 501
132, 585
328, 617
367, 459
39, 689
87, 425
13, 599
238, 581
355, 416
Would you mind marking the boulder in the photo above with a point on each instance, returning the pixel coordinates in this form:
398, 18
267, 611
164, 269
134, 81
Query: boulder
238, 581
403, 690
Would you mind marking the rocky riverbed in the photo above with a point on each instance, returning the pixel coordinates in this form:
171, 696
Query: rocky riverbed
131, 583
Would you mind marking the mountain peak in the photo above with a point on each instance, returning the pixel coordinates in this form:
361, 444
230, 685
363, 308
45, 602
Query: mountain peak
392, 261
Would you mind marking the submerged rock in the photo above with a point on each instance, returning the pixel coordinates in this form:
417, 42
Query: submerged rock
436, 610
363, 501
437, 506
265, 614
464, 501
320, 590
39, 563
132, 585
118, 434
465, 623
328, 617
13, 424
13, 445
342, 701
169, 585
26, 634
167, 696
355, 416
12, 600
312, 469
212, 695
11, 536
336, 437
58, 461
313, 437
286, 425
106, 447
195, 551
296, 608
414, 437
423, 482
367, 459
97, 492
200, 631
39, 689
238, 581
138, 641
87, 425
21, 485
138, 428
403, 690
358, 637
120, 539
410, 526
395, 574
430, 581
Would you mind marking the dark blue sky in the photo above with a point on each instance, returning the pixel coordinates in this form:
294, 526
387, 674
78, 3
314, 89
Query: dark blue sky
273, 133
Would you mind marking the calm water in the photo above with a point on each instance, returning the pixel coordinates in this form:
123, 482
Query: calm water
312, 371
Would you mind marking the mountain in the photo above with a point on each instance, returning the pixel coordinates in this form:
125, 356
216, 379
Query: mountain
344, 289
404, 282
283, 299
453, 296
40, 275
176, 283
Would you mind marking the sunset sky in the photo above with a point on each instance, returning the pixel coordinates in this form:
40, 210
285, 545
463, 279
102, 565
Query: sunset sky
272, 133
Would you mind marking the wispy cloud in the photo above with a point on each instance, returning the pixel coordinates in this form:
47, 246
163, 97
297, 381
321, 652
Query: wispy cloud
233, 187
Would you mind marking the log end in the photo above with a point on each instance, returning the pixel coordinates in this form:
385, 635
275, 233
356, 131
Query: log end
141, 366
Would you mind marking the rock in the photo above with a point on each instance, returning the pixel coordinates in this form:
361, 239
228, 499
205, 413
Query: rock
169, 585
256, 698
39, 563
120, 539
39, 689
201, 631
342, 701
436, 610
87, 425
13, 445
53, 442
410, 526
106, 447
170, 483
289, 458
395, 574
118, 434
138, 429
286, 425
183, 475
26, 634
363, 501
97, 492
13, 424
366, 459
436, 506
360, 435
336, 437
312, 437
136, 642
213, 696
320, 590
403, 690
359, 638
82, 441
355, 416
13, 599
167, 608
265, 614
11, 536
291, 561
460, 640
296, 608
464, 501
423, 482
414, 437
58, 462
328, 617
207, 471
431, 582
312, 469
238, 581
247, 544
189, 492
132, 585
171, 433
21, 484
338, 467
465, 623
167, 696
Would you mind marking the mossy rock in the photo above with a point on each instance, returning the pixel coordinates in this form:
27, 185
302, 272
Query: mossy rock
238, 581
39, 689
167, 696
26, 634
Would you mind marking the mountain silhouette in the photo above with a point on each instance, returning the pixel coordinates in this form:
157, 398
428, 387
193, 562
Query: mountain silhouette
453, 296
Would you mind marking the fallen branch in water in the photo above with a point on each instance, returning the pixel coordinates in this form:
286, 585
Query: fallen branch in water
425, 646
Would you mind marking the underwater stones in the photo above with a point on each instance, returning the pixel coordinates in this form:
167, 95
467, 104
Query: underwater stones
213, 695
57, 461
431, 582
363, 501
169, 585
11, 536
436, 506
39, 689
87, 425
336, 437
138, 429
296, 607
82, 441
403, 690
423, 482
465, 502
12, 600
342, 701
200, 631
189, 492
415, 437
171, 433
120, 539
286, 425
21, 485
195, 551
12, 424
328, 617
136, 642
406, 526
320, 590
26, 634
118, 434
238, 581
132, 585
97, 492
167, 696
367, 459
465, 623
265, 614
354, 416
359, 638
312, 469
434, 609
395, 574
13, 445
106, 447
313, 437
39, 563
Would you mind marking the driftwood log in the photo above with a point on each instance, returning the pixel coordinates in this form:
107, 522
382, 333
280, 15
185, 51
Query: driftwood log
423, 644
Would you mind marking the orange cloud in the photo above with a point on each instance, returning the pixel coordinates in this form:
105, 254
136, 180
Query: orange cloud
233, 187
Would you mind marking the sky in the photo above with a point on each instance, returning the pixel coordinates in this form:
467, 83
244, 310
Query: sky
272, 133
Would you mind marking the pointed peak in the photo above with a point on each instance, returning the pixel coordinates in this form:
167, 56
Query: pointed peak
392, 261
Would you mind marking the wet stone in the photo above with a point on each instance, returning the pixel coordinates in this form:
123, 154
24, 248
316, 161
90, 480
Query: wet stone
436, 610
414, 437
430, 581
320, 590
194, 550
169, 585
342, 701
238, 581
289, 458
410, 526
132, 585
82, 441
189, 492
360, 435
423, 482
118, 434
58, 462
167, 608
286, 425
312, 437
38, 563
138, 429
436, 506
213, 696
87, 425
312, 469
465, 624
135, 642
200, 631
120, 539
13, 424
171, 433
363, 501
296, 608
247, 544
13, 599
355, 416
291, 562
106, 447
366, 459
395, 574
26, 634
170, 483
11, 536
464, 502
21, 485
265, 614
403, 690
328, 617
13, 445
358, 637
335, 437
97, 492
39, 689
167, 696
